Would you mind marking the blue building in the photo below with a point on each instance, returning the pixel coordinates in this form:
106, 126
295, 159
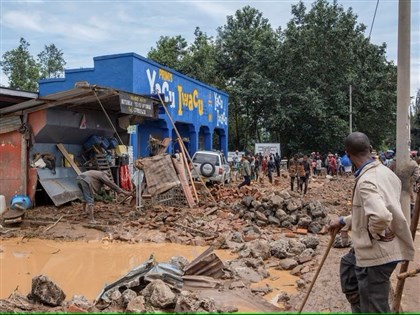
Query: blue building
199, 111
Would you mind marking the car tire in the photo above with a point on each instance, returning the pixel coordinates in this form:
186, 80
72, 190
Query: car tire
207, 169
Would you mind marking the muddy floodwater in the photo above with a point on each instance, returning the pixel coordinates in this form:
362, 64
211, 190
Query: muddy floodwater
83, 268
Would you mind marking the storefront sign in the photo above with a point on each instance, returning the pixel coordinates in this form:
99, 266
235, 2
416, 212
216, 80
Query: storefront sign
137, 105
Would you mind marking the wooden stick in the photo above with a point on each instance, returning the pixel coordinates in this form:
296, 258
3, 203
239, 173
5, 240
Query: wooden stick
52, 225
404, 265
181, 144
330, 244
411, 273
184, 158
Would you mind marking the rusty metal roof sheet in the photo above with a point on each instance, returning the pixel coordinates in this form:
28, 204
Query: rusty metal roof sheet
207, 264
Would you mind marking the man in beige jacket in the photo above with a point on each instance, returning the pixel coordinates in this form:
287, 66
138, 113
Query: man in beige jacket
380, 232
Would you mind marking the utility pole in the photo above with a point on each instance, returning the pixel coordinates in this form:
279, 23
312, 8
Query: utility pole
403, 102
351, 111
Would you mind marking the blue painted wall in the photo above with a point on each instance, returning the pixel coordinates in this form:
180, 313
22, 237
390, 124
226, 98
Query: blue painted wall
191, 104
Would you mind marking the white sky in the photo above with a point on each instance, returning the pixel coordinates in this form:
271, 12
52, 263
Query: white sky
84, 29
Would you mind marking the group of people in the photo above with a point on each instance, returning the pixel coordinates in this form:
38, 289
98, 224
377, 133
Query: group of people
252, 167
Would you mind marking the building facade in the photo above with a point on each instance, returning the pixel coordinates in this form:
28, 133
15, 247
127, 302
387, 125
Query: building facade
198, 111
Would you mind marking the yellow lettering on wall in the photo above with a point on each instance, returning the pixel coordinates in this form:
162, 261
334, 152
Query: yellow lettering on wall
165, 75
179, 100
190, 100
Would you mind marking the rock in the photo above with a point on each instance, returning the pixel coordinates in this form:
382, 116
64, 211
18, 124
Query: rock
315, 227
284, 194
227, 309
246, 252
283, 297
296, 271
159, 294
80, 301
287, 223
236, 284
260, 216
277, 201
300, 283
116, 296
255, 204
46, 292
306, 255
310, 241
304, 221
136, 305
179, 261
294, 204
296, 247
316, 210
288, 264
262, 290
237, 237
127, 296
280, 248
281, 214
273, 220
247, 200
260, 249
71, 308
248, 274
188, 302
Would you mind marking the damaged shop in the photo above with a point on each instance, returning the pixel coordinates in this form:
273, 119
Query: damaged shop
47, 141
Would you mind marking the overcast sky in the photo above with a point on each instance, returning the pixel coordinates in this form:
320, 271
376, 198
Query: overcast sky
84, 29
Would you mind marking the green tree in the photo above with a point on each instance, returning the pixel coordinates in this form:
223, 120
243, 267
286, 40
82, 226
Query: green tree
51, 62
322, 52
20, 68
170, 52
245, 48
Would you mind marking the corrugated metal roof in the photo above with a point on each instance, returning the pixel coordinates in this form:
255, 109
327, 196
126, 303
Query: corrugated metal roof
60, 187
8, 124
70, 98
207, 264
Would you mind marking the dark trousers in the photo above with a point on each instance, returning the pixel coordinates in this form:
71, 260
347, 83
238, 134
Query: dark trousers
366, 288
303, 181
292, 182
247, 181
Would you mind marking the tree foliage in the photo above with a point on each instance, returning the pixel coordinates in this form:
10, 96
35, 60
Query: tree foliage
51, 62
20, 67
292, 86
24, 72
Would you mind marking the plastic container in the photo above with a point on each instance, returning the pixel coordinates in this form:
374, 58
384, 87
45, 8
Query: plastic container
2, 204
20, 202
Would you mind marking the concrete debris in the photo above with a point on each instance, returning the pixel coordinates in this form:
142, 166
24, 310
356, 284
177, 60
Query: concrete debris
288, 264
189, 302
136, 305
158, 294
46, 291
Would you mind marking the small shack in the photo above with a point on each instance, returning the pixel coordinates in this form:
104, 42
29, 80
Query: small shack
71, 129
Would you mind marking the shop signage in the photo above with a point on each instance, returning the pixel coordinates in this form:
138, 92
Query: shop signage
137, 105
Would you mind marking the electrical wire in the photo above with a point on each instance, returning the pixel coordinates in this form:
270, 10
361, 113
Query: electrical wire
373, 20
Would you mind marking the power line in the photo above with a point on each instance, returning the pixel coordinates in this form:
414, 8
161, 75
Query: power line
373, 20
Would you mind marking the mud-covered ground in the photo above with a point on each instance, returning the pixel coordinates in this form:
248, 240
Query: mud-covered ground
205, 225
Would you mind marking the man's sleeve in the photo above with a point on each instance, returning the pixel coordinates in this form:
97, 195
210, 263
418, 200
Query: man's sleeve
111, 185
379, 217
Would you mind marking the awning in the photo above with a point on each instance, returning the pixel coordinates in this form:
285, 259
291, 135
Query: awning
88, 95
61, 187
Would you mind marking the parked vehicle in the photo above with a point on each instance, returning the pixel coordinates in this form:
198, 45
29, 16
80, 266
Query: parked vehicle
212, 166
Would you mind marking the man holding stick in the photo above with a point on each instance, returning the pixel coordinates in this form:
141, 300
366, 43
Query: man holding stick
380, 232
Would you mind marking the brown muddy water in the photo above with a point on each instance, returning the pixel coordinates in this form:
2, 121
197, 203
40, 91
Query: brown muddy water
83, 268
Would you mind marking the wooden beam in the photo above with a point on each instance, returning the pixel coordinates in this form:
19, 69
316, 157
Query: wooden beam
68, 158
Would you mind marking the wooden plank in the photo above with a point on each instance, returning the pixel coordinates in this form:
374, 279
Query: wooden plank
68, 158
180, 169
165, 143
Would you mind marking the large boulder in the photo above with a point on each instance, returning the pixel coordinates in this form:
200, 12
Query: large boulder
296, 247
288, 264
159, 294
46, 291
277, 201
